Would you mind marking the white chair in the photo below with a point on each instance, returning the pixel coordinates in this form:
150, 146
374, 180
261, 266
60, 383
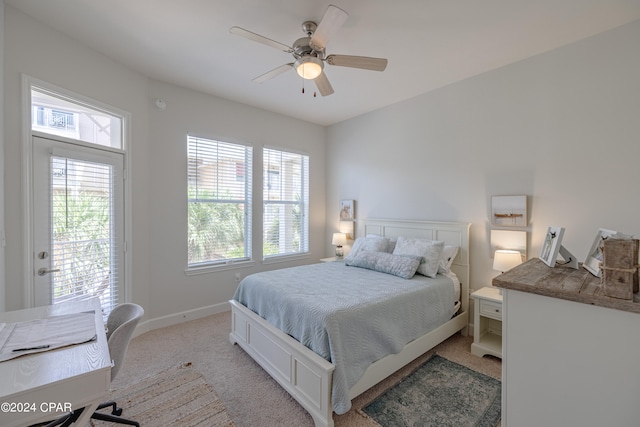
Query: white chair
121, 323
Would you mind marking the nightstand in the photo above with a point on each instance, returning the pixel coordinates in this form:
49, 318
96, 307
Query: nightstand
487, 322
331, 259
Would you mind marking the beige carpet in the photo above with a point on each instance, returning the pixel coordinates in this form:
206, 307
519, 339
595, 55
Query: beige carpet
177, 396
251, 397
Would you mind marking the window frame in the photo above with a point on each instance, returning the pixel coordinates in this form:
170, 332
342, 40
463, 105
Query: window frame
248, 200
304, 203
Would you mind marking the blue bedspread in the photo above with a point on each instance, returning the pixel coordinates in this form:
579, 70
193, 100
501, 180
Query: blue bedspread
348, 315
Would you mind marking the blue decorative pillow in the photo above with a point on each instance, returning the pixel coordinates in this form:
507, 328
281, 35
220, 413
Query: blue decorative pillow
384, 262
429, 250
367, 244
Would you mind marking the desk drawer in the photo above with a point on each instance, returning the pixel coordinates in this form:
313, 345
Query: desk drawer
491, 309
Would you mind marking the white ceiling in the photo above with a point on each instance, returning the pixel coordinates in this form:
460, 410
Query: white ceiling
429, 43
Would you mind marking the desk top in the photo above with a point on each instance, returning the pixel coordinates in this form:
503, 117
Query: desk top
37, 370
562, 282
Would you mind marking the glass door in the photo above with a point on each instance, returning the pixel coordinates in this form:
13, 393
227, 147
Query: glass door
78, 237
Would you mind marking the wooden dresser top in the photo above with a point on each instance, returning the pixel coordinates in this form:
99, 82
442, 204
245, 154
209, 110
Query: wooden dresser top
562, 282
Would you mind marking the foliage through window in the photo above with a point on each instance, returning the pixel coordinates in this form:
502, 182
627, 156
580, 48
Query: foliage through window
286, 203
84, 229
219, 202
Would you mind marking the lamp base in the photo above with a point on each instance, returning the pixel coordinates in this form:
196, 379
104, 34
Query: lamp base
339, 251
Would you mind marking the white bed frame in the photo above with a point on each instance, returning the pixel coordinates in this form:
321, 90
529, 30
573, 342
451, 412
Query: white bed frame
305, 375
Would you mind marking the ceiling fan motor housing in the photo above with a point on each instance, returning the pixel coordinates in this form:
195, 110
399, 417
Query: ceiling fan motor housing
309, 27
301, 47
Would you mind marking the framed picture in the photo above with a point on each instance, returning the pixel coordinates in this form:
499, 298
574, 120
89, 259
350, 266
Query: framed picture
346, 210
510, 211
594, 257
551, 245
510, 240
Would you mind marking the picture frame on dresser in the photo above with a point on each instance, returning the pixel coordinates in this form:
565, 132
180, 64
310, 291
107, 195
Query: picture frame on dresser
594, 256
551, 245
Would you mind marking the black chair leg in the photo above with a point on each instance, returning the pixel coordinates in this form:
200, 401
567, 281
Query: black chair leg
114, 419
115, 411
64, 421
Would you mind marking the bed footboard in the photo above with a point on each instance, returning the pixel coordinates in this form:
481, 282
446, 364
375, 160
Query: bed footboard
304, 374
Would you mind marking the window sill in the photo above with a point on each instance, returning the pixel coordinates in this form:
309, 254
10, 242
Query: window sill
194, 271
285, 258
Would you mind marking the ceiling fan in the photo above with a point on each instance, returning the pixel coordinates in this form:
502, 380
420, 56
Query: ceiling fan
309, 52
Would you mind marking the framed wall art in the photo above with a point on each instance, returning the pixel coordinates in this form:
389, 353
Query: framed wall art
509, 211
347, 210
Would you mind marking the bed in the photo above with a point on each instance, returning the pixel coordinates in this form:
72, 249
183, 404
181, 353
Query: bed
324, 379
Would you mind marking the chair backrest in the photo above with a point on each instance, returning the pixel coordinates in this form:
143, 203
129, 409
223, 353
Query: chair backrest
121, 323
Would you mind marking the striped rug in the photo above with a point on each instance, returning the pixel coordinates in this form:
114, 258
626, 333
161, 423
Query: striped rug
178, 396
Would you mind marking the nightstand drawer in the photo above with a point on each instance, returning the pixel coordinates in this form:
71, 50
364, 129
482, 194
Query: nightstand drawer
491, 309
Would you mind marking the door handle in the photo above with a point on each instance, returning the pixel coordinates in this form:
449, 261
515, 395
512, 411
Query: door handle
42, 271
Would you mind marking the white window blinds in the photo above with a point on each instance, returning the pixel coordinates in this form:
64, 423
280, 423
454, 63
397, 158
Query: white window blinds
286, 203
86, 240
219, 202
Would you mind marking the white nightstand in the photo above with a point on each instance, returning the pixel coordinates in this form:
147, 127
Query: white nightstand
331, 259
487, 322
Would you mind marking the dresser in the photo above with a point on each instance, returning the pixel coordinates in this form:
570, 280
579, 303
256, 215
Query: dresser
571, 356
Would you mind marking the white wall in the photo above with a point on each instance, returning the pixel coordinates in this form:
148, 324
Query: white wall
158, 171
561, 127
2, 231
172, 291
38, 51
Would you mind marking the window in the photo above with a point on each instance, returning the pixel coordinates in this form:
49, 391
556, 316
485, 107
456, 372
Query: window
219, 202
286, 203
55, 114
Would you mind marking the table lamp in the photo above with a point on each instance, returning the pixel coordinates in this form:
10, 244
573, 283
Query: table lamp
339, 239
504, 260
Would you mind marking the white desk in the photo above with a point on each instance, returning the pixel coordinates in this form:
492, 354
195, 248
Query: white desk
42, 386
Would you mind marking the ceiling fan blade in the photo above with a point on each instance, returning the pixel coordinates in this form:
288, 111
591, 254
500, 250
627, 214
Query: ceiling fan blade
273, 73
323, 85
332, 21
364, 62
260, 39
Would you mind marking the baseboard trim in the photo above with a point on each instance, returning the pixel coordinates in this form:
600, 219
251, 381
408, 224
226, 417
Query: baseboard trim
184, 316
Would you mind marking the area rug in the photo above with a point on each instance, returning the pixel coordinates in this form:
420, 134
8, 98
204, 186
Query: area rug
178, 396
439, 393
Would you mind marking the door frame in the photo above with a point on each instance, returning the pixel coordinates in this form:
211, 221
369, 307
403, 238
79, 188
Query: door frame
28, 83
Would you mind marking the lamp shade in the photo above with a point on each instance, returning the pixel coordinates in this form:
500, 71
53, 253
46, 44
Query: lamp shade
339, 239
308, 67
504, 260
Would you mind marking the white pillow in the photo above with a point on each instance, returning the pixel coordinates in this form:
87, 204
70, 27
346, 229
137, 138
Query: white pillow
429, 250
449, 253
384, 262
391, 242
370, 244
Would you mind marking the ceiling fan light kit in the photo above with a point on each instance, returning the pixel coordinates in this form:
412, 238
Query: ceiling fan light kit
308, 67
309, 51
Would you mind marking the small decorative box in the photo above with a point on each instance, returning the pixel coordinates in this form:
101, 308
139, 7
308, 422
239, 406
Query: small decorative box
620, 268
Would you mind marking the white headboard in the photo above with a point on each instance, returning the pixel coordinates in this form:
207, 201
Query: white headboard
452, 233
